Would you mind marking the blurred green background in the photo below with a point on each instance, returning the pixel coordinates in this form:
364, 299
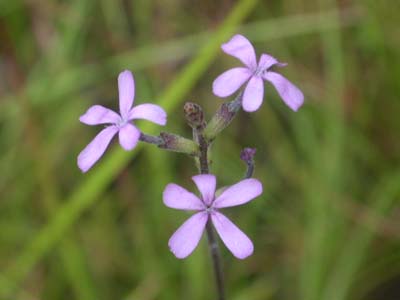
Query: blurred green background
328, 224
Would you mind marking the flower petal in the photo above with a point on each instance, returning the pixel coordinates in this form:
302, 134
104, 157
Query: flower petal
240, 47
175, 196
150, 112
187, 237
126, 89
98, 114
91, 154
289, 93
267, 61
253, 94
128, 136
234, 239
230, 81
239, 193
206, 184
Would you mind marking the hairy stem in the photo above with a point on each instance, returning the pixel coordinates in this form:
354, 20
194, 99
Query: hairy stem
216, 259
203, 145
212, 241
250, 170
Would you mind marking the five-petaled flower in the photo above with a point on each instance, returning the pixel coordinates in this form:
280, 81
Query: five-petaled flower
119, 123
186, 238
230, 81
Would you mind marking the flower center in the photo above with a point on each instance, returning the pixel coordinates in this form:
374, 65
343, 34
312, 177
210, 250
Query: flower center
259, 71
210, 209
121, 123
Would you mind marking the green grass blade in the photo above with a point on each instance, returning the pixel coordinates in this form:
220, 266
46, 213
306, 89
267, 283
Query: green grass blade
350, 259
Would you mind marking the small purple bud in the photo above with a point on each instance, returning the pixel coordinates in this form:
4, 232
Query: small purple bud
247, 154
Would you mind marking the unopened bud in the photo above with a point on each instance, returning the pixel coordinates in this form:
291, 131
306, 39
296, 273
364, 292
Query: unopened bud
194, 115
247, 154
222, 118
219, 121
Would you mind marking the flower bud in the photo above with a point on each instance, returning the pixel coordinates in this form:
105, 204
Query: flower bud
194, 115
247, 154
221, 119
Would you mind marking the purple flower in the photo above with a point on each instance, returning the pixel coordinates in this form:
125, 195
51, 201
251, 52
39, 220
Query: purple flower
186, 238
230, 81
119, 123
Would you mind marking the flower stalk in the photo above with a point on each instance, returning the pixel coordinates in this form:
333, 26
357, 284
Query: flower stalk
247, 155
195, 118
216, 260
212, 241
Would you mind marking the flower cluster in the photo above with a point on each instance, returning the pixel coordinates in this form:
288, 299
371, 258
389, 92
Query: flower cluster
208, 205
